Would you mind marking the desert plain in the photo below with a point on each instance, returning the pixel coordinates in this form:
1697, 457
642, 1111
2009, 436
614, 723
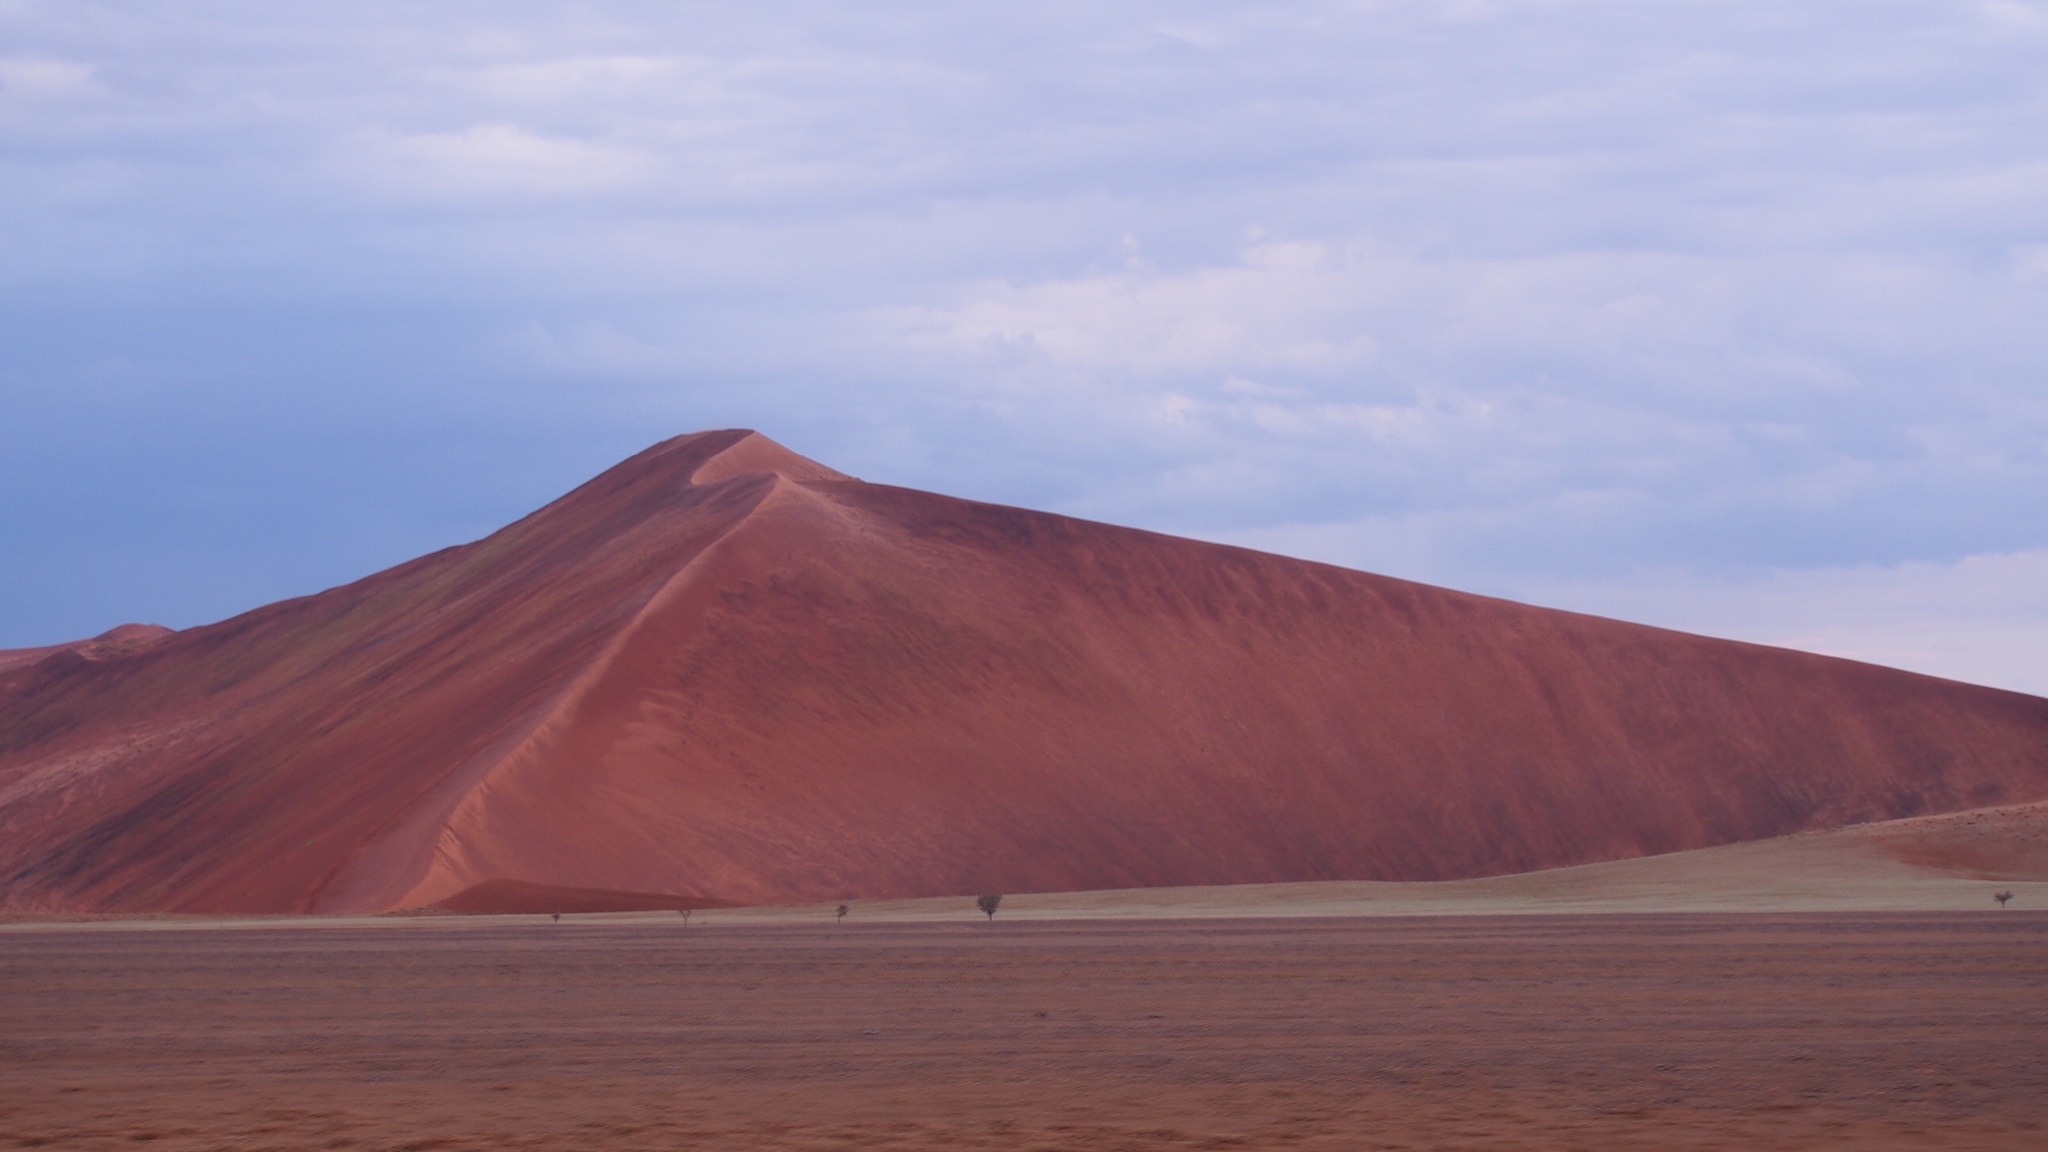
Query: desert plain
1802, 994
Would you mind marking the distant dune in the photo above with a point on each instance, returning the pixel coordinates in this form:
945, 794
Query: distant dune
122, 641
722, 673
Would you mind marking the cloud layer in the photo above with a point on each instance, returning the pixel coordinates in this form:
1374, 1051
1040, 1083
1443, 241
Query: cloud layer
1501, 295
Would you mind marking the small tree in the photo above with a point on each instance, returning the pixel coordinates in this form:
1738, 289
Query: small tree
558, 917
686, 916
843, 910
2001, 897
989, 904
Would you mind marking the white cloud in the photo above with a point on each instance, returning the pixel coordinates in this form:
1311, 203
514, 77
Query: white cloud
1287, 305
486, 161
33, 79
2014, 14
575, 80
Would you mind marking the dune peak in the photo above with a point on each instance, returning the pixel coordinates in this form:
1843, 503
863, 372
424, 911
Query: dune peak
128, 633
753, 452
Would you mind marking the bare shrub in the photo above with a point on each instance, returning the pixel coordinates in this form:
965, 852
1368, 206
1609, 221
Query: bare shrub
843, 910
686, 916
989, 904
2001, 897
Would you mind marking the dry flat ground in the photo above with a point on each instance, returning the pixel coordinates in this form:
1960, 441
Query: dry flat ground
1854, 1030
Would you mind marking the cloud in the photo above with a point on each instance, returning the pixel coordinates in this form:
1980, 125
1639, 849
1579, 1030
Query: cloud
1488, 293
486, 161
36, 80
1284, 305
1515, 409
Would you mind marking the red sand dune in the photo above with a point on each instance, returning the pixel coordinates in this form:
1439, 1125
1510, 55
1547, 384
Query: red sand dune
721, 672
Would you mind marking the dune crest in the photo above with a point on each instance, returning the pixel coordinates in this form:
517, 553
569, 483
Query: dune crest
757, 453
721, 672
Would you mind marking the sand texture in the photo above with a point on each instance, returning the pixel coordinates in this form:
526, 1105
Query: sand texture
721, 673
1613, 1032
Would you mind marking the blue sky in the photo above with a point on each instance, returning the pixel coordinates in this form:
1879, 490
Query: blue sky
1729, 316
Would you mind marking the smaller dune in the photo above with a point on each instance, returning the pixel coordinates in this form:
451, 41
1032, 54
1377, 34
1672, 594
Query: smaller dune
115, 642
2003, 843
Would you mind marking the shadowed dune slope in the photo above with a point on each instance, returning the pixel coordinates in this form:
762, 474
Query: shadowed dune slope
516, 897
721, 672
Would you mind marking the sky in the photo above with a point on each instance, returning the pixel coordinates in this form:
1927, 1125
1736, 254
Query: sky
1728, 316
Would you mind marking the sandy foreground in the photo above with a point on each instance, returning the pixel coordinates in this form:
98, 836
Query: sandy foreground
1813, 992
1731, 1030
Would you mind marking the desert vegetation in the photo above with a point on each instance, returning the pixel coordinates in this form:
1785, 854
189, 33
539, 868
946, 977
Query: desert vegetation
989, 904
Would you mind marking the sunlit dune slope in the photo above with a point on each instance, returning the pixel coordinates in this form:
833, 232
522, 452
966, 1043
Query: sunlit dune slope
721, 672
2006, 843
